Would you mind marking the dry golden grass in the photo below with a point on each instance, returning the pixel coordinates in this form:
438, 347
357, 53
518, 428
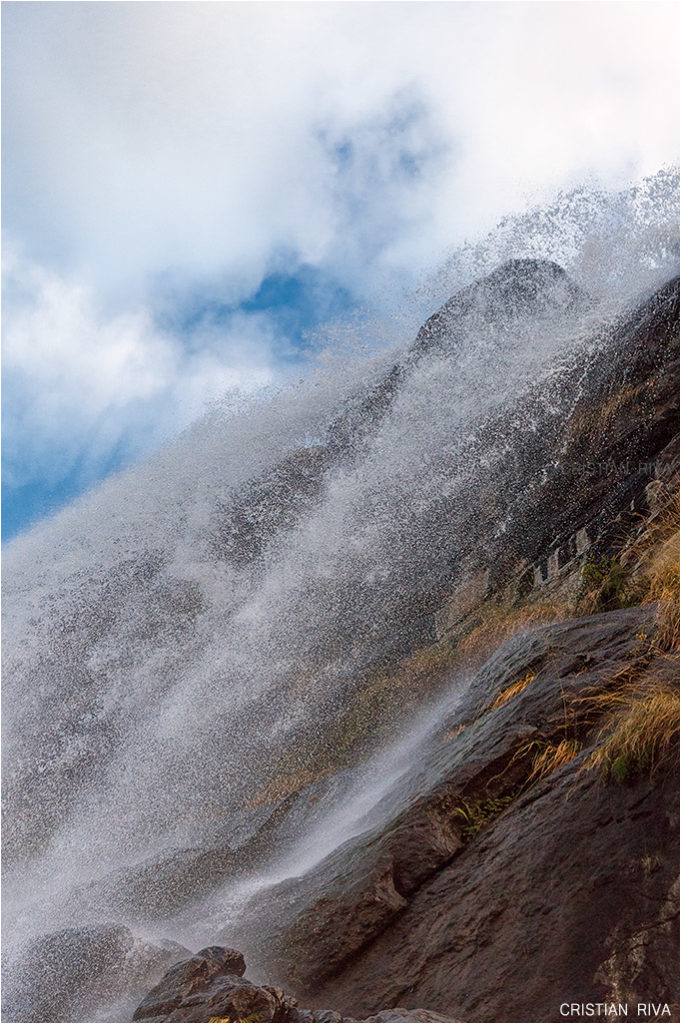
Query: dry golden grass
662, 586
654, 561
553, 756
512, 691
617, 692
590, 420
644, 571
656, 527
641, 734
499, 623
492, 624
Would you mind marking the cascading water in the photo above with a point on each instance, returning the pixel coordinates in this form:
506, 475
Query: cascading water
192, 630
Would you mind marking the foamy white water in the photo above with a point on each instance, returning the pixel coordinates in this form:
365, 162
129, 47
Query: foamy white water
175, 637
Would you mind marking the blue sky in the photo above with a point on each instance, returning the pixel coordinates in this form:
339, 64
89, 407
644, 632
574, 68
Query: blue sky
192, 190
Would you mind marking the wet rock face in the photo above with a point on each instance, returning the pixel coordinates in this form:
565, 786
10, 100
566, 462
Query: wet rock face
316, 925
276, 501
565, 879
619, 438
517, 289
569, 895
211, 986
90, 973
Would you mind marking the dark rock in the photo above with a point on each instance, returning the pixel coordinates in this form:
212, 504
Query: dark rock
518, 289
322, 928
399, 1015
556, 900
209, 985
275, 501
233, 998
194, 981
626, 417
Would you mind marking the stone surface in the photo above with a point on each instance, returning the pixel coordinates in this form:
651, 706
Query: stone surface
570, 895
209, 986
515, 290
411, 912
400, 1014
194, 981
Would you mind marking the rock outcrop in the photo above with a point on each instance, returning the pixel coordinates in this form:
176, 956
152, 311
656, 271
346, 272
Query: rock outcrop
477, 860
210, 987
570, 895
417, 908
518, 289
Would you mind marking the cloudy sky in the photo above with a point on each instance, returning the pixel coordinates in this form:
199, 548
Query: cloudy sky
190, 189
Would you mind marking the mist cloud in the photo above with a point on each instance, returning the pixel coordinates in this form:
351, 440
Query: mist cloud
81, 383
143, 137
154, 151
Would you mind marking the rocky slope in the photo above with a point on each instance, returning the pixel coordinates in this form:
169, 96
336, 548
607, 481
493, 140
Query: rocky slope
507, 874
526, 854
494, 894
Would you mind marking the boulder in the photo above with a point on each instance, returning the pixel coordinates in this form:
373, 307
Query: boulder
210, 987
207, 985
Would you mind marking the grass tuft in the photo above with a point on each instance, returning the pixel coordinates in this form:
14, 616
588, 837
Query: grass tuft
512, 691
654, 558
605, 585
662, 579
553, 756
495, 623
641, 735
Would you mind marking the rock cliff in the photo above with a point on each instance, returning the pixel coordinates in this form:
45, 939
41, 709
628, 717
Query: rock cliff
526, 854
517, 866
507, 873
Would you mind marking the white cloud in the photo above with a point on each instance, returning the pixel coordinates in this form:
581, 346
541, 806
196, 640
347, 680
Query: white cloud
182, 136
156, 150
79, 381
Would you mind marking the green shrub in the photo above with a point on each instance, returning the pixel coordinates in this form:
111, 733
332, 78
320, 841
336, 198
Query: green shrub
605, 585
479, 813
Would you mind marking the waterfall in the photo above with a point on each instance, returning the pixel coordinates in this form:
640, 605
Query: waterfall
191, 631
